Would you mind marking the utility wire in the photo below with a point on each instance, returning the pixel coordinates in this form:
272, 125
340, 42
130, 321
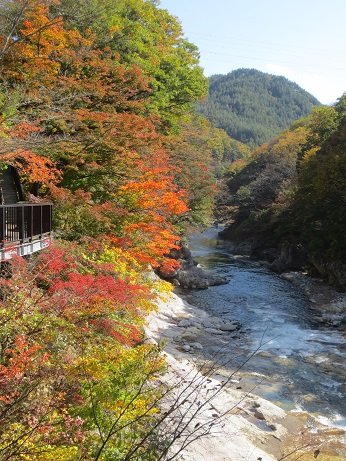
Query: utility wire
269, 58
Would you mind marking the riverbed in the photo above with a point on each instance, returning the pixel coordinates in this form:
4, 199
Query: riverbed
299, 365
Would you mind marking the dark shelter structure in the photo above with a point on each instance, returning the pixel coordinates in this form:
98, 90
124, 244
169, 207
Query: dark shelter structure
25, 227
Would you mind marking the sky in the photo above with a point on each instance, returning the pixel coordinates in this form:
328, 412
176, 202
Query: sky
303, 40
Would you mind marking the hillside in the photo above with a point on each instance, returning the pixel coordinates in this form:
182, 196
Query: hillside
252, 106
289, 198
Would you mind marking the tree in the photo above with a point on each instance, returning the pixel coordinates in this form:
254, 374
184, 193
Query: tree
86, 114
141, 34
87, 105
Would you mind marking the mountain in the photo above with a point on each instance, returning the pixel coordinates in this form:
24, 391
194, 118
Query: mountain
252, 106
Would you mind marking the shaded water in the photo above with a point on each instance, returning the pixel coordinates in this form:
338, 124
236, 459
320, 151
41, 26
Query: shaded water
300, 364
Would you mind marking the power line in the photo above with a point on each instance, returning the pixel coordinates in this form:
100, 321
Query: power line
281, 50
265, 60
280, 46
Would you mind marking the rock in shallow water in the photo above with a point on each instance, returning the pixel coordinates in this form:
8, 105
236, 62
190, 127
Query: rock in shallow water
227, 325
197, 278
190, 334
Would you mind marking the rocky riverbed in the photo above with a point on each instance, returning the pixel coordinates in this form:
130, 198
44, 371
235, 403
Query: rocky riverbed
283, 343
245, 427
237, 417
328, 304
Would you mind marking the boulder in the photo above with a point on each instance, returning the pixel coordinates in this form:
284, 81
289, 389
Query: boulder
292, 257
185, 323
259, 415
189, 275
228, 326
333, 271
197, 278
197, 346
190, 334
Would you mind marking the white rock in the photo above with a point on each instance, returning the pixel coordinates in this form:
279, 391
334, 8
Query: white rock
184, 323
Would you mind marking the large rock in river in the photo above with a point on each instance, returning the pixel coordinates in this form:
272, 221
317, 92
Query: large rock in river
190, 275
198, 278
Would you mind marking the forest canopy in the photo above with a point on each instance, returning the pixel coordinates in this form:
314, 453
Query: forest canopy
252, 106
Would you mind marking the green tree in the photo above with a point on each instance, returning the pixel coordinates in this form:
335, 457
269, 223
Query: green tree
141, 34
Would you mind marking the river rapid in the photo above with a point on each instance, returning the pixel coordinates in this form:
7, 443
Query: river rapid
300, 364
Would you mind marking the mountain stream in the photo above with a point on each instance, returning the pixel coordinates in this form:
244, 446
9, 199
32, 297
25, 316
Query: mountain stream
300, 365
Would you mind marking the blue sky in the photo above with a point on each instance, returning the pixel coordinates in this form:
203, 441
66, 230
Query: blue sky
304, 40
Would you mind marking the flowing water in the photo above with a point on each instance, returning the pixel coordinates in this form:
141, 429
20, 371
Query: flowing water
300, 365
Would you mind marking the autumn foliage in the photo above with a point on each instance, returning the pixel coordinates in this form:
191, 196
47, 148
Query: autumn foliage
84, 120
82, 130
68, 323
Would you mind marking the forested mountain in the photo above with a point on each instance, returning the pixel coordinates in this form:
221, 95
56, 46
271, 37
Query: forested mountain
289, 198
252, 106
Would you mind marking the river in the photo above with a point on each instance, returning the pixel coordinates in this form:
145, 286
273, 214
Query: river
300, 365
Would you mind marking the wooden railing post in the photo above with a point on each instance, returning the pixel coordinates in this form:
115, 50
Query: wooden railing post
2, 226
21, 223
31, 222
41, 216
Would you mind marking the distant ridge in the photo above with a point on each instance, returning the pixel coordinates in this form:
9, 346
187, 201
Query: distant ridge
254, 106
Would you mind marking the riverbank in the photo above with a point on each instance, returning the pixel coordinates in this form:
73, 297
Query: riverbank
235, 434
236, 425
328, 304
